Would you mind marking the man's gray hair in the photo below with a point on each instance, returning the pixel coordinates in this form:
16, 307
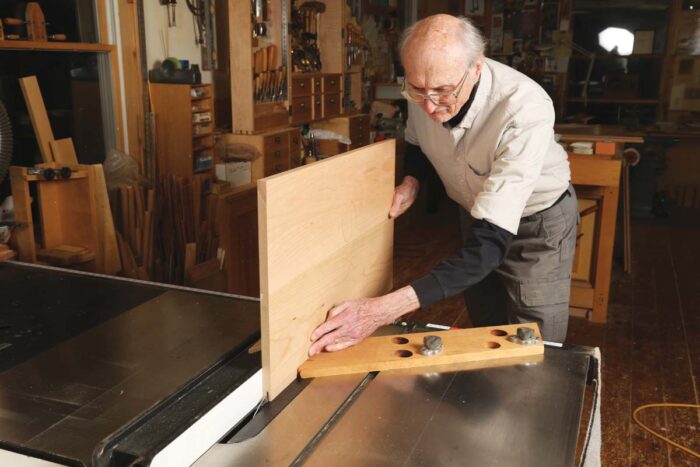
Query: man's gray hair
472, 40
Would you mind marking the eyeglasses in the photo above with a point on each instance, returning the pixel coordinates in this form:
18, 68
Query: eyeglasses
444, 98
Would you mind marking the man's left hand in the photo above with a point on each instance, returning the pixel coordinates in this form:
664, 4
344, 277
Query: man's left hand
351, 322
348, 324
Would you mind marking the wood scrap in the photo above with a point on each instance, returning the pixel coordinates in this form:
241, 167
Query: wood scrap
63, 152
66, 255
38, 116
6, 253
108, 259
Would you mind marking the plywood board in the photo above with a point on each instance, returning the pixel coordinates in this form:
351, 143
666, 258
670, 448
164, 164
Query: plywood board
403, 351
38, 115
325, 237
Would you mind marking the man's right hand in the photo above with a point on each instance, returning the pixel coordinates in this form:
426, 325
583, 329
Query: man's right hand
404, 196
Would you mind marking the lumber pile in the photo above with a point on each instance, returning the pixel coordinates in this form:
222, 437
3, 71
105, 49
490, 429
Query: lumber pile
168, 233
133, 208
187, 225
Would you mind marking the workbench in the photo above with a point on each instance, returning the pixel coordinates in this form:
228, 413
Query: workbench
101, 371
599, 180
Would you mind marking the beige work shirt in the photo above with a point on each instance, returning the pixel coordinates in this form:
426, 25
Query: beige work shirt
501, 162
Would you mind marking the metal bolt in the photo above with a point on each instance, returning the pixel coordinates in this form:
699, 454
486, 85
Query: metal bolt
524, 336
432, 345
525, 333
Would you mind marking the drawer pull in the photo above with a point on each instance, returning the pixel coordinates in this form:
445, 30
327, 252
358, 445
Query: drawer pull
278, 140
302, 84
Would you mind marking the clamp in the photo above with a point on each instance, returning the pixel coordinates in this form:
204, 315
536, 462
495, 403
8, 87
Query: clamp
50, 174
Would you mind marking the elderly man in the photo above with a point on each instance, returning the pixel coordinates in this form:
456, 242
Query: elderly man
488, 131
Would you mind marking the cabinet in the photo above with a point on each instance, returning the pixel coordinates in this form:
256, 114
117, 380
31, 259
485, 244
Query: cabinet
277, 148
597, 182
238, 236
315, 96
184, 128
355, 127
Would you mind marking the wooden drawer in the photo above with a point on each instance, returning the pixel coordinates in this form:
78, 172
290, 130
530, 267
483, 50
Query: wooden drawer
302, 86
301, 109
331, 105
294, 147
318, 106
276, 141
331, 84
359, 130
276, 161
294, 139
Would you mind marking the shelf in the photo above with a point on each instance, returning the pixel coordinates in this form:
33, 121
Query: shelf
203, 148
202, 135
600, 100
203, 98
610, 56
55, 46
202, 170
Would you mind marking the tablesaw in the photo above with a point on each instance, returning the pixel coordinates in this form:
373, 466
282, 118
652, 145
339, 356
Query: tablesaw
102, 371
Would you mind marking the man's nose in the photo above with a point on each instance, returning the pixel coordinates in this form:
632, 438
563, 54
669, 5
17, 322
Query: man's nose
429, 106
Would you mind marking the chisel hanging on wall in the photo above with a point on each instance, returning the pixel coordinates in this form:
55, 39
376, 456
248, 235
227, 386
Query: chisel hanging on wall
172, 7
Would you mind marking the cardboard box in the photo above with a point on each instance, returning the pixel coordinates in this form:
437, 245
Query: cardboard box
236, 173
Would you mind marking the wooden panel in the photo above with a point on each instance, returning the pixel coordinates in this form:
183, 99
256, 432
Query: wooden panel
331, 37
55, 46
587, 170
582, 295
63, 205
238, 234
403, 351
604, 253
270, 115
241, 61
171, 104
133, 79
585, 239
107, 257
325, 237
37, 112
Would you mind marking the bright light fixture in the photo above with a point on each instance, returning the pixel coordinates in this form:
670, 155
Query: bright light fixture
617, 38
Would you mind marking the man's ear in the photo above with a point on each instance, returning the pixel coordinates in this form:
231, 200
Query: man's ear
477, 67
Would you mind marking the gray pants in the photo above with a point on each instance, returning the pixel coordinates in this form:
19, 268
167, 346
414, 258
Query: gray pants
533, 283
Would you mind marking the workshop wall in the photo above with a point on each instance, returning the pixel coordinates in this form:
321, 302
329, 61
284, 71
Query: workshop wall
178, 41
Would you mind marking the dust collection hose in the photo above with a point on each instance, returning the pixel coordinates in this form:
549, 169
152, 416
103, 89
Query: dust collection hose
5, 142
